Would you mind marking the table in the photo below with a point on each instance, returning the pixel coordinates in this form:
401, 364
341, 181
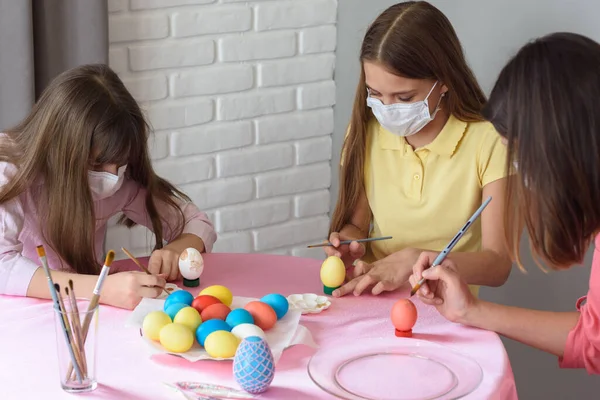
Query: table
126, 371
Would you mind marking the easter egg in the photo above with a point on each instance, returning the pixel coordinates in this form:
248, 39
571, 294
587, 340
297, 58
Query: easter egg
176, 338
174, 308
263, 314
203, 301
404, 315
191, 264
242, 331
189, 317
220, 292
153, 323
253, 365
333, 272
239, 316
215, 311
221, 344
180, 296
279, 304
208, 327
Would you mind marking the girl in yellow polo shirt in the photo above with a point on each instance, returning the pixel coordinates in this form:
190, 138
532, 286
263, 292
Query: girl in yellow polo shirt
418, 158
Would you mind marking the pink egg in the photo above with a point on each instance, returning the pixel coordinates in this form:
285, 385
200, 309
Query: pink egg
404, 315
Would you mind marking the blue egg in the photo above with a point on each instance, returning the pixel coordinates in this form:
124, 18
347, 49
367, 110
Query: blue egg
210, 326
179, 296
253, 365
174, 308
239, 316
277, 303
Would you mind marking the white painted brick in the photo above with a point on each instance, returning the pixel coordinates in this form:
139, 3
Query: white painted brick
211, 138
117, 60
213, 81
296, 70
318, 40
180, 115
254, 159
295, 14
299, 125
150, 4
240, 242
313, 150
221, 193
243, 1
291, 181
158, 144
117, 5
292, 232
257, 46
128, 28
144, 58
212, 20
316, 95
310, 204
148, 88
253, 215
182, 171
255, 104
304, 252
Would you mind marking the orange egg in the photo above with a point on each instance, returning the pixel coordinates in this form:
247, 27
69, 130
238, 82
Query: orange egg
215, 311
263, 314
203, 301
404, 315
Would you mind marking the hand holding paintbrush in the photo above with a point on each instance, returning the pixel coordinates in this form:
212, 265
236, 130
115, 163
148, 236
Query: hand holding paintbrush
140, 266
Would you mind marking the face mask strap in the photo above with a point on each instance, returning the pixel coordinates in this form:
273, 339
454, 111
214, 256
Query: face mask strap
431, 91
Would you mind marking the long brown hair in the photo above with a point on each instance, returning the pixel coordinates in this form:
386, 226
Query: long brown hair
545, 103
413, 40
85, 117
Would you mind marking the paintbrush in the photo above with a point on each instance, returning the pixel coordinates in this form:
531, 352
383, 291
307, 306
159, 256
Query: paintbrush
42, 256
76, 324
139, 264
440, 258
327, 244
70, 334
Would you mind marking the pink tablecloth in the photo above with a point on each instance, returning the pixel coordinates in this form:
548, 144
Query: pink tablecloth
125, 371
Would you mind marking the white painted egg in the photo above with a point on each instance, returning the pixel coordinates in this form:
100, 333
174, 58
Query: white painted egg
243, 331
191, 264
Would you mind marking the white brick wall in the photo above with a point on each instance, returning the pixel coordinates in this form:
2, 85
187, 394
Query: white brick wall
240, 95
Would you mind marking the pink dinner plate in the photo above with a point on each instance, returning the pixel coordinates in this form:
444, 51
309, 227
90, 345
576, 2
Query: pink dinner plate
394, 369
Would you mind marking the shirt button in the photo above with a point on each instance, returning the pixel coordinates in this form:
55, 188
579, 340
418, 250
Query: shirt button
417, 177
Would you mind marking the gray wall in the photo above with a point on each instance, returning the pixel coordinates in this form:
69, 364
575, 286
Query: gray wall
490, 33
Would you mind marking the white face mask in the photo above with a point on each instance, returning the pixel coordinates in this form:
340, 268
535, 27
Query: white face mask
105, 184
403, 119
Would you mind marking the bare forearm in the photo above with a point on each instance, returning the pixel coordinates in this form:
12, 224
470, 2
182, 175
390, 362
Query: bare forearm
82, 284
485, 267
185, 241
544, 330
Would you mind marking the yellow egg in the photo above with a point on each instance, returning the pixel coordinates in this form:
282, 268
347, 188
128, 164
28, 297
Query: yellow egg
220, 292
333, 272
221, 344
176, 338
189, 317
153, 323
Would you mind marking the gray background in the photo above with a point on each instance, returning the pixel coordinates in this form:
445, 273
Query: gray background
490, 32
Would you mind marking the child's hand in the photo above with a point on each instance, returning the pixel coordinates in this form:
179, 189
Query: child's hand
347, 252
126, 289
165, 262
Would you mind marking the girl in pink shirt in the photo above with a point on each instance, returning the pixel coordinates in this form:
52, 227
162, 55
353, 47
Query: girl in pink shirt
545, 104
80, 157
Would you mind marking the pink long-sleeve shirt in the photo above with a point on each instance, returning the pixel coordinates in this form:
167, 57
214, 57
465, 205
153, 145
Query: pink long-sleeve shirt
20, 232
582, 349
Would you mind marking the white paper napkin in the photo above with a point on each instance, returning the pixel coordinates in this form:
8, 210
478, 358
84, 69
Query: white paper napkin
287, 331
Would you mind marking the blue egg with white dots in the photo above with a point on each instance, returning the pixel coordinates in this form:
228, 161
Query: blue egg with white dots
239, 316
174, 308
179, 296
277, 303
210, 326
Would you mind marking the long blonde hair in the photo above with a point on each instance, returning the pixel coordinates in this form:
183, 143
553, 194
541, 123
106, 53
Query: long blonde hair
85, 116
414, 40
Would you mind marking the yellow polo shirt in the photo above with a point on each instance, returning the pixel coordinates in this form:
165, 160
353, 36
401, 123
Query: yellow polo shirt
422, 197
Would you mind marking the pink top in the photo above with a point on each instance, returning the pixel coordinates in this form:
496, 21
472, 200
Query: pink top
582, 349
20, 233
